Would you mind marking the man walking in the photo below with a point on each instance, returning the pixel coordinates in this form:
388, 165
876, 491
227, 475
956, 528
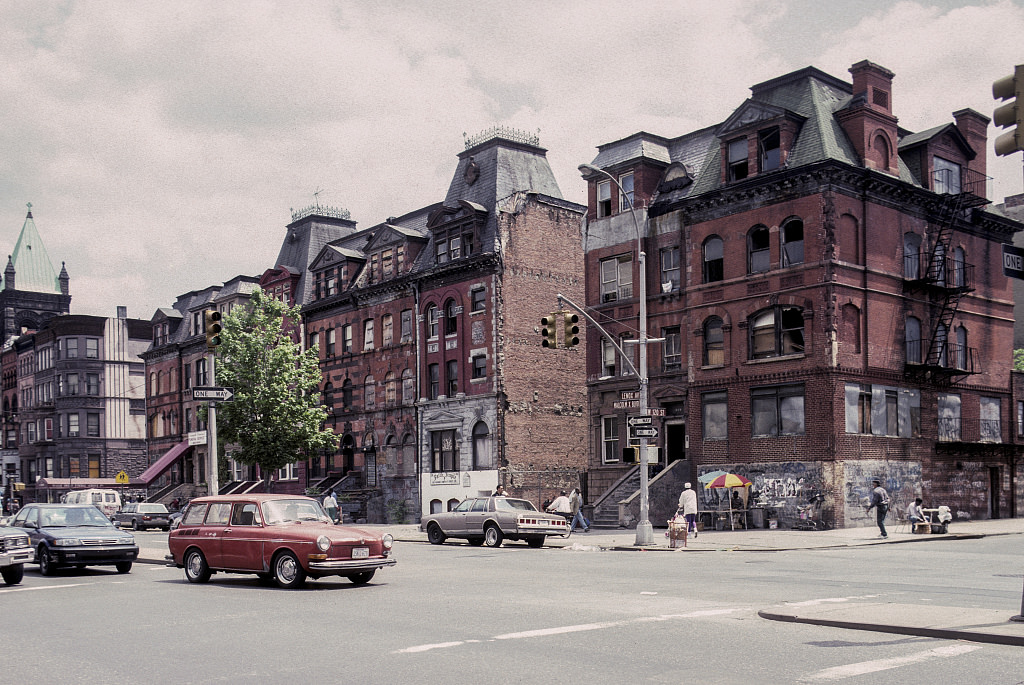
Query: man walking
576, 502
562, 506
880, 503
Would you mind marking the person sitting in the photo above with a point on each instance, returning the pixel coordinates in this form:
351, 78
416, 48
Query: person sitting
914, 513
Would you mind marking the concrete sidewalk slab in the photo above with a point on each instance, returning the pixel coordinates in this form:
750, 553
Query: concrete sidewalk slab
947, 623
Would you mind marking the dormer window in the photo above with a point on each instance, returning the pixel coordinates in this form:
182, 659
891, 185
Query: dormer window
739, 166
331, 282
946, 178
769, 149
387, 263
604, 198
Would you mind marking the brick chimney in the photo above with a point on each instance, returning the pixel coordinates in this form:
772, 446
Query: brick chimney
974, 127
868, 118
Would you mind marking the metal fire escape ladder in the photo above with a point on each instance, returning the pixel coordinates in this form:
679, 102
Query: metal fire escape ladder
949, 276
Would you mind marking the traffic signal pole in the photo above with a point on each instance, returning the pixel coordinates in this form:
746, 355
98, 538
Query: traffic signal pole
211, 436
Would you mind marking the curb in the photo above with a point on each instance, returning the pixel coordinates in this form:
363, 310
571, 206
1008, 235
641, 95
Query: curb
940, 633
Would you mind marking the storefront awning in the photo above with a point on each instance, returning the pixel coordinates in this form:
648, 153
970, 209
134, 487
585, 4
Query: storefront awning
160, 466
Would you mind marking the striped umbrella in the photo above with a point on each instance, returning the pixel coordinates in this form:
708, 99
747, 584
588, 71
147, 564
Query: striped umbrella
728, 480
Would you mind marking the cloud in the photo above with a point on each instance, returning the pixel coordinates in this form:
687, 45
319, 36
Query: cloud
162, 144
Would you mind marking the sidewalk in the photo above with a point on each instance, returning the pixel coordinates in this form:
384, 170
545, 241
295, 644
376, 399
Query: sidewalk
952, 623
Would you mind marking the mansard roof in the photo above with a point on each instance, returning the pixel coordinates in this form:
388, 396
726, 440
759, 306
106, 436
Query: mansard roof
306, 236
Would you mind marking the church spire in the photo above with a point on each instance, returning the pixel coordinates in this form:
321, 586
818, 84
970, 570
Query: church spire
35, 271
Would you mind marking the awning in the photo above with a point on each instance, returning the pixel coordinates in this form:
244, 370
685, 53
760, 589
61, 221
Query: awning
160, 466
76, 483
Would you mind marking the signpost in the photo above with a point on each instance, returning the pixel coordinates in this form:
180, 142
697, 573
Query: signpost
213, 393
641, 426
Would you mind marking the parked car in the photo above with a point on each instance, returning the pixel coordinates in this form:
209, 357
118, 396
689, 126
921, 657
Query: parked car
491, 520
15, 552
107, 501
76, 535
143, 515
283, 539
174, 518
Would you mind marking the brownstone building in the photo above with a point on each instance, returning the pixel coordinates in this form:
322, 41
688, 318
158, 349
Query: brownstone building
828, 292
434, 375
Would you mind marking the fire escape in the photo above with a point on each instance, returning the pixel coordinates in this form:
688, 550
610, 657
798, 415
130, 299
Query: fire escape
945, 279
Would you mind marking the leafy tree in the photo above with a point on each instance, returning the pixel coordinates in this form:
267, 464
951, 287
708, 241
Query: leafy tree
276, 415
1018, 360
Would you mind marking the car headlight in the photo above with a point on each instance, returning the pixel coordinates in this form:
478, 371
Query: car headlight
126, 541
323, 543
387, 541
67, 542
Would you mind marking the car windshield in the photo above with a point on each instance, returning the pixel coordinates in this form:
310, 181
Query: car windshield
72, 516
287, 510
152, 509
506, 504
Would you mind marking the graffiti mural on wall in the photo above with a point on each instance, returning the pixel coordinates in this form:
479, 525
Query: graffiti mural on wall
778, 487
901, 479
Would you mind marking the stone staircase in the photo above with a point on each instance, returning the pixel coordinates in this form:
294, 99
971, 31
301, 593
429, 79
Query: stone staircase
606, 509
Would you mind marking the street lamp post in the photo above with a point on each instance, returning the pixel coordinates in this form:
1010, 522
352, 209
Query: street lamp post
644, 529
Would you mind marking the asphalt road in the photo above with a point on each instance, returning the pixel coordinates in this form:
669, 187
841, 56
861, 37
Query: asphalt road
519, 615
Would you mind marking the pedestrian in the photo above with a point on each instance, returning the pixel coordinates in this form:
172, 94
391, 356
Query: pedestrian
562, 506
688, 505
880, 503
915, 514
331, 505
500, 491
576, 503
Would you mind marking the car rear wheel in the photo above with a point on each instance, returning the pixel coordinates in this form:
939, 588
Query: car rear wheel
435, 535
535, 542
288, 571
196, 568
46, 567
135, 524
13, 574
493, 536
361, 578
123, 566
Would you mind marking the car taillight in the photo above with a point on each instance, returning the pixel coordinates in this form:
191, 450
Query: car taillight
146, 517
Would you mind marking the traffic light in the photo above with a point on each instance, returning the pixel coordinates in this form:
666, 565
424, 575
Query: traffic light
211, 318
1010, 114
570, 322
549, 331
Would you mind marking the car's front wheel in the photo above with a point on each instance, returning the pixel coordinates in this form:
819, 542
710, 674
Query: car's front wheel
288, 571
493, 536
13, 574
362, 578
196, 568
435, 535
135, 524
46, 566
123, 566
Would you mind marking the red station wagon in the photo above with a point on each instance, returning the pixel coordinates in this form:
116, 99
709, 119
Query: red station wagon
280, 538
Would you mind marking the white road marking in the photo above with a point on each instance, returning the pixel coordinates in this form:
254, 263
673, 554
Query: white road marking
43, 587
580, 627
850, 670
826, 600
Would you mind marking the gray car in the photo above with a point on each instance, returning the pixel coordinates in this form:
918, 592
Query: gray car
143, 515
492, 520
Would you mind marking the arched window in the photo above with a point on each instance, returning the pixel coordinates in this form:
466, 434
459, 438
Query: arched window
154, 389
431, 321
758, 250
959, 267
389, 389
961, 347
879, 153
481, 447
776, 332
714, 342
451, 323
391, 453
346, 394
714, 264
407, 460
435, 506
912, 340
369, 393
793, 242
851, 328
328, 395
452, 503
911, 256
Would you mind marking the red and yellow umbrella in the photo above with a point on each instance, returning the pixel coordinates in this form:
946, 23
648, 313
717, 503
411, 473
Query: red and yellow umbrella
728, 480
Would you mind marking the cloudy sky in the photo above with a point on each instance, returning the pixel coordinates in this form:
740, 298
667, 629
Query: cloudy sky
162, 144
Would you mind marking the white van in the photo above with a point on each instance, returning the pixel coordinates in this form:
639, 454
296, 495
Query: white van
107, 501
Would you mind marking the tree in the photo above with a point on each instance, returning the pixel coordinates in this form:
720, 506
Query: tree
1018, 360
276, 415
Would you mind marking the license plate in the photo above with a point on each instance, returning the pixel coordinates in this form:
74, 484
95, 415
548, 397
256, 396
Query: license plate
360, 552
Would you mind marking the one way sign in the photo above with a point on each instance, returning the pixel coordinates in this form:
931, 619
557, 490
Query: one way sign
211, 393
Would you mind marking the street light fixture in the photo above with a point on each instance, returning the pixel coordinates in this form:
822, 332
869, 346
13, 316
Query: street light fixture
644, 529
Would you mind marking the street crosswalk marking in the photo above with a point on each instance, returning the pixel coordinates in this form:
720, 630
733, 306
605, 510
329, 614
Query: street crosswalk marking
580, 627
42, 587
863, 667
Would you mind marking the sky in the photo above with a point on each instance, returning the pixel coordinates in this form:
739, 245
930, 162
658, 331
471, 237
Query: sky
163, 144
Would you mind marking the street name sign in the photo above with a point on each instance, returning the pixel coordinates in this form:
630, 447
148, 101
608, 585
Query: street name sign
197, 438
1013, 261
211, 393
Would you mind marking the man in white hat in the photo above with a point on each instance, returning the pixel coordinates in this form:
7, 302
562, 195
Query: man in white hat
688, 505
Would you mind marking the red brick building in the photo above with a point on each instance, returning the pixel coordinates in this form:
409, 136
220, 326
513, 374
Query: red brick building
829, 292
427, 323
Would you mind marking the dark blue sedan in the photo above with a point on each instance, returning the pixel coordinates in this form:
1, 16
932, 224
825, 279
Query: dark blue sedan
77, 535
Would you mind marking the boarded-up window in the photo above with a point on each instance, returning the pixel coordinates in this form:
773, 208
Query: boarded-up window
949, 417
716, 415
989, 426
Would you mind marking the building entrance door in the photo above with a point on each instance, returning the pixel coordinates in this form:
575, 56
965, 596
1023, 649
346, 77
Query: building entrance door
675, 441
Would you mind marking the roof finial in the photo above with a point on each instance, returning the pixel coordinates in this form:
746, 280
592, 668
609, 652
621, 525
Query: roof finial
29, 204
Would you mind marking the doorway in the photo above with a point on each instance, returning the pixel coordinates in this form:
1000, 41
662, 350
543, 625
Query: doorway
675, 441
993, 492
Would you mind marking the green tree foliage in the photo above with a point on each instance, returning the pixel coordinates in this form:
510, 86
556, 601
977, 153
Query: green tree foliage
1018, 360
276, 416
